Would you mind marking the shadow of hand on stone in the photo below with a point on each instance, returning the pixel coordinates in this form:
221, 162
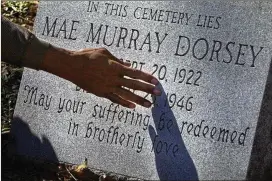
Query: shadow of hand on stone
27, 143
173, 161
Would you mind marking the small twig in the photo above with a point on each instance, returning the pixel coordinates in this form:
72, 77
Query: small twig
70, 173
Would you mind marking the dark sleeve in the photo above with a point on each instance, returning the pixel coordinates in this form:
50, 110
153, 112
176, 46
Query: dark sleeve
16, 40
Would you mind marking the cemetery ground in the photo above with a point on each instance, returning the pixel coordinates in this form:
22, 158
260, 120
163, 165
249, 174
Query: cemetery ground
22, 168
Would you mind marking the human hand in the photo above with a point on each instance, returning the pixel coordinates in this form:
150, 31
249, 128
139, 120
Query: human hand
99, 72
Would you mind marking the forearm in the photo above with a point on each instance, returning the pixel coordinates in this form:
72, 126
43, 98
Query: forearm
21, 47
94, 70
58, 61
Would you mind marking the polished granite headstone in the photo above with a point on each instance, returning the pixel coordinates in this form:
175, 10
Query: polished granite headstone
212, 59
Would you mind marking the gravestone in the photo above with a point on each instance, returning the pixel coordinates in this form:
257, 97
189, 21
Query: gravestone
212, 60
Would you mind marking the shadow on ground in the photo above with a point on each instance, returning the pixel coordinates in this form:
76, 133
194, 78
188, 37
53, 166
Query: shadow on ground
27, 143
17, 167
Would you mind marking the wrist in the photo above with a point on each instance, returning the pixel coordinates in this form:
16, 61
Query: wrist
35, 52
57, 61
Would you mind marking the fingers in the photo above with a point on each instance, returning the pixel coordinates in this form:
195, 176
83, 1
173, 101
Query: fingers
119, 100
127, 64
138, 85
105, 52
87, 50
109, 55
121, 61
125, 98
112, 57
126, 94
137, 74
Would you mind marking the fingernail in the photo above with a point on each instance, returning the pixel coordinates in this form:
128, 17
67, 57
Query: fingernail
147, 104
154, 81
131, 106
157, 92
